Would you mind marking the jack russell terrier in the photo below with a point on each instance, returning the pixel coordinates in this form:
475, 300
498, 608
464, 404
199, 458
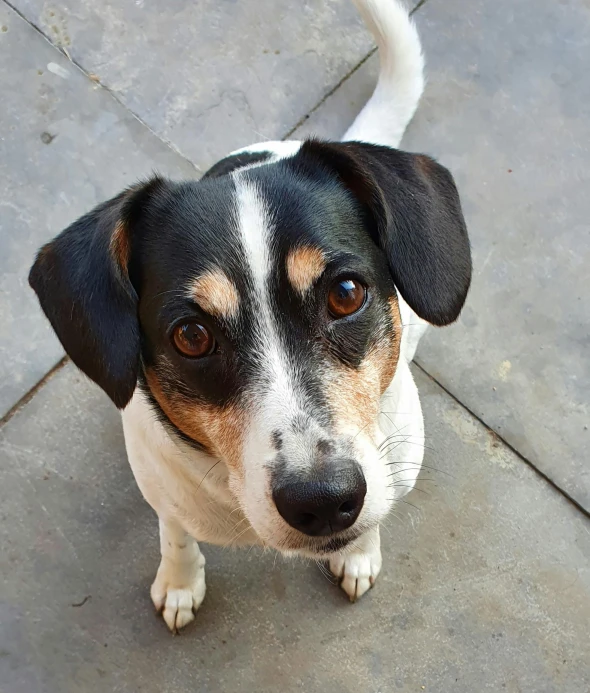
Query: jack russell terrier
256, 327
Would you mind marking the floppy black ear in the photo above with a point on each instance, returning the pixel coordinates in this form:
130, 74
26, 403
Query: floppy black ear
82, 282
415, 208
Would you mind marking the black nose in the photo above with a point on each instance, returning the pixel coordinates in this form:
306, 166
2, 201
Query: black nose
323, 505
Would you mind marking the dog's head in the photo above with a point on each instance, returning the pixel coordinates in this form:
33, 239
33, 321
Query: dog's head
257, 309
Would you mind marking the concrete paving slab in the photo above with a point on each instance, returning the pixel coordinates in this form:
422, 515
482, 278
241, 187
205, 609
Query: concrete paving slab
507, 108
485, 587
210, 76
65, 145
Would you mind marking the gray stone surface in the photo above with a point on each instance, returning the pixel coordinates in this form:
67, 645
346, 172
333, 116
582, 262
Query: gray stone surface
507, 108
65, 145
210, 76
486, 581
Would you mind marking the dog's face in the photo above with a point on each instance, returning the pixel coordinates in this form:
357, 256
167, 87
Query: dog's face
257, 309
271, 329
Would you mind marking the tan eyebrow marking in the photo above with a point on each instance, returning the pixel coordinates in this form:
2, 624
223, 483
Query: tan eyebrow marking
119, 246
304, 266
216, 294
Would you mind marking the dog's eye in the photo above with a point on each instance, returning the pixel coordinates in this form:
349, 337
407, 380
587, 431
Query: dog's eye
193, 340
346, 297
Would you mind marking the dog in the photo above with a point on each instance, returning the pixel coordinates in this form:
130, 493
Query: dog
256, 327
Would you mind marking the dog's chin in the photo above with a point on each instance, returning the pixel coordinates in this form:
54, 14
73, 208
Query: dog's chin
331, 546
321, 548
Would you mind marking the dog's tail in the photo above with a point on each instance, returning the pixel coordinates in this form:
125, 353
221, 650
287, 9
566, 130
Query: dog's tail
401, 77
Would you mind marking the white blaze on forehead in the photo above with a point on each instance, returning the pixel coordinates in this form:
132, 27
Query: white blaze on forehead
255, 234
255, 229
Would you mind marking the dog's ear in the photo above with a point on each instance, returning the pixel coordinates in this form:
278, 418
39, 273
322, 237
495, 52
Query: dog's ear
417, 221
82, 281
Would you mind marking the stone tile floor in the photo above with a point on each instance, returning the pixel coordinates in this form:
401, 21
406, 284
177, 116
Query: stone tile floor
486, 582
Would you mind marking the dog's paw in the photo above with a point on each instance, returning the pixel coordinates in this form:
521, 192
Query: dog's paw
177, 592
358, 570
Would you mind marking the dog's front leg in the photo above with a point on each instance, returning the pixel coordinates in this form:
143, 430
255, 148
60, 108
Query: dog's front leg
357, 568
179, 587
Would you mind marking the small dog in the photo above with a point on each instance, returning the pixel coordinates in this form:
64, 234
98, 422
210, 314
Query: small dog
256, 328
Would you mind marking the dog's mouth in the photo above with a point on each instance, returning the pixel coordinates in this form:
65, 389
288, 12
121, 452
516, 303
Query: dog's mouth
320, 550
335, 544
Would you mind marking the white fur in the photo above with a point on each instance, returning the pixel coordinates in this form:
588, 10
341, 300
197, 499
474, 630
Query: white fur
194, 495
254, 229
358, 570
179, 587
401, 77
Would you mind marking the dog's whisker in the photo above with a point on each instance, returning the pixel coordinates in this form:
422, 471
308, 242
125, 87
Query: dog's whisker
391, 447
325, 572
361, 430
397, 437
238, 523
385, 527
414, 488
389, 452
419, 478
237, 535
399, 434
401, 500
206, 473
424, 466
397, 430
392, 444
413, 442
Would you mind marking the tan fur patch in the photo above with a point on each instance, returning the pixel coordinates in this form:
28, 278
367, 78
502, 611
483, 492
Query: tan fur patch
387, 353
304, 266
218, 429
216, 294
355, 393
120, 247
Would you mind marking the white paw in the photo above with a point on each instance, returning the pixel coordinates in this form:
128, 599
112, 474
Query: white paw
178, 591
357, 571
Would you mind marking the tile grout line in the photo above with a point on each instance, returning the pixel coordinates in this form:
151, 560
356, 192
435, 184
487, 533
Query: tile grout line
503, 440
28, 396
97, 82
326, 96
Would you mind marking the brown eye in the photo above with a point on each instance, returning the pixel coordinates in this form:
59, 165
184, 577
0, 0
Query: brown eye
193, 340
346, 297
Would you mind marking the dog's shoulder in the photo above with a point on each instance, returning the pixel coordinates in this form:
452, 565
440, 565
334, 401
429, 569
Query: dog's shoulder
254, 155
